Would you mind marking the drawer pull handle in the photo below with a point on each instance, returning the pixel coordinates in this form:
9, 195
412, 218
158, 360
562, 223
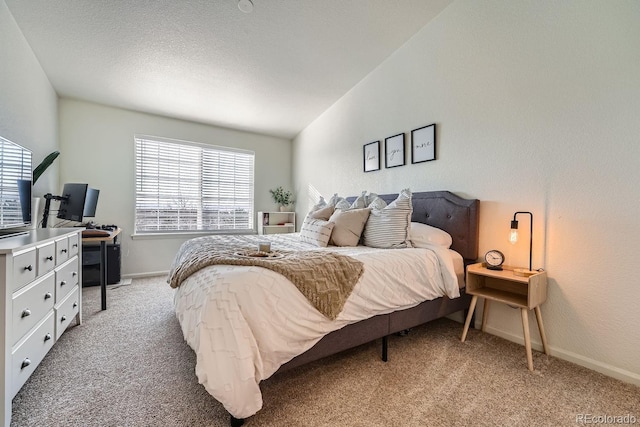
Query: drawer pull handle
26, 312
25, 363
64, 251
64, 282
47, 337
63, 318
47, 295
28, 267
75, 245
74, 274
49, 258
75, 304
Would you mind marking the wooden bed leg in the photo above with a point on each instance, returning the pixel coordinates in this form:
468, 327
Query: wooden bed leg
384, 348
236, 422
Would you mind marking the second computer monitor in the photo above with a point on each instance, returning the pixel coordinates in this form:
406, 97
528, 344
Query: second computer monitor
72, 207
91, 202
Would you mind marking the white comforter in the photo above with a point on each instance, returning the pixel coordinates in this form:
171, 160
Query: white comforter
244, 322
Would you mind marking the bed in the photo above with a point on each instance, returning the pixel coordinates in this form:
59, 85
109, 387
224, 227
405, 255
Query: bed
247, 323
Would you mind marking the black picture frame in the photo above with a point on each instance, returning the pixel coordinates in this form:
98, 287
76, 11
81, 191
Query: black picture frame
423, 144
394, 151
371, 156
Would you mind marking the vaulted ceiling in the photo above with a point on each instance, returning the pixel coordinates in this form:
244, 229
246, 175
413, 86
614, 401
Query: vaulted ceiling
271, 71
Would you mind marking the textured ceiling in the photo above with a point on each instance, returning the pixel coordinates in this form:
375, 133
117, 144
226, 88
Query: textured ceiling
272, 71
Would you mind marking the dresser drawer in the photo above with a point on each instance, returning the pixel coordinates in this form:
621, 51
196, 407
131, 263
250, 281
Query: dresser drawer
31, 304
46, 255
66, 278
24, 268
28, 355
74, 245
66, 311
62, 250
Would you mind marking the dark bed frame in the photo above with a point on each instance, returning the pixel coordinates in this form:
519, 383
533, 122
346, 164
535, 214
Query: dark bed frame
457, 216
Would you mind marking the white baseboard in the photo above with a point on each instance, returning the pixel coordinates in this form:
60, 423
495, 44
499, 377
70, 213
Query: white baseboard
142, 275
594, 365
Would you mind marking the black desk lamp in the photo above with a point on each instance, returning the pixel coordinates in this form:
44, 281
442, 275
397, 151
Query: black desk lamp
513, 238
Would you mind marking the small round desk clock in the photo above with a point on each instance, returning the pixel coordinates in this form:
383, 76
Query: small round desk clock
494, 259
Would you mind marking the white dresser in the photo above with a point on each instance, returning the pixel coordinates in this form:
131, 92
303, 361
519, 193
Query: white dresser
40, 275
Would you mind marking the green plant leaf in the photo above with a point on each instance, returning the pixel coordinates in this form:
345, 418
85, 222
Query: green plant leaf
39, 170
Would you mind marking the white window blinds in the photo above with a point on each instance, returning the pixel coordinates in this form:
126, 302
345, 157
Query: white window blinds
15, 165
182, 186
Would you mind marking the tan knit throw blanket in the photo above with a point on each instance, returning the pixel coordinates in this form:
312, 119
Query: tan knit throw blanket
326, 279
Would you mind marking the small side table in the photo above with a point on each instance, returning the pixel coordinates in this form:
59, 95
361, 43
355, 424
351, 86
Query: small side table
503, 286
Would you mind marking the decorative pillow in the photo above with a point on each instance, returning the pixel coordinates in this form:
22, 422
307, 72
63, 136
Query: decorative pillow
343, 205
375, 202
423, 234
322, 213
358, 203
316, 231
348, 226
369, 198
321, 204
335, 199
389, 227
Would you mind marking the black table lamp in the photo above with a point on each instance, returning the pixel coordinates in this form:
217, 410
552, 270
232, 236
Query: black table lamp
513, 238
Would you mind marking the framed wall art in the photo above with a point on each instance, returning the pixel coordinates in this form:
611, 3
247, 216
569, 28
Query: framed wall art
394, 151
371, 156
423, 144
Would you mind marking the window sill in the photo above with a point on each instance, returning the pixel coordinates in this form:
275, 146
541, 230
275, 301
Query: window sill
183, 234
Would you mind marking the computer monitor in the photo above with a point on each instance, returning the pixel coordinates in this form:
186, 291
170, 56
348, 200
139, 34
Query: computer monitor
91, 202
72, 203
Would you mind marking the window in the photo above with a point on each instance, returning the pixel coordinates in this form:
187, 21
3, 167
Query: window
183, 186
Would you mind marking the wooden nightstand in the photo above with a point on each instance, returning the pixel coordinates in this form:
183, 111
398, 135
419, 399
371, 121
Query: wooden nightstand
503, 286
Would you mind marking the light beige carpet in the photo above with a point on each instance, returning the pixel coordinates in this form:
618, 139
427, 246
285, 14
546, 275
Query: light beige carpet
129, 366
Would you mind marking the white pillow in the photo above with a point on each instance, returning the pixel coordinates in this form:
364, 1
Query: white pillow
321, 204
358, 203
389, 227
335, 199
375, 202
316, 231
424, 235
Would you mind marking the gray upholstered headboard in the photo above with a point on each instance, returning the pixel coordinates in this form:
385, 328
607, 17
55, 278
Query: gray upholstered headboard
449, 212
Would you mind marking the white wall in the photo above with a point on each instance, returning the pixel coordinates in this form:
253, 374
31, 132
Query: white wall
536, 105
28, 103
97, 147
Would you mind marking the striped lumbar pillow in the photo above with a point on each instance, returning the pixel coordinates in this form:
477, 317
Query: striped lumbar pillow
389, 227
316, 231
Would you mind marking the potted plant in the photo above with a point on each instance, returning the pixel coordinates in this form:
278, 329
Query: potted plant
282, 197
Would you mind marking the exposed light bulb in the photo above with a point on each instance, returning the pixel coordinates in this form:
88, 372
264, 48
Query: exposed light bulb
513, 236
